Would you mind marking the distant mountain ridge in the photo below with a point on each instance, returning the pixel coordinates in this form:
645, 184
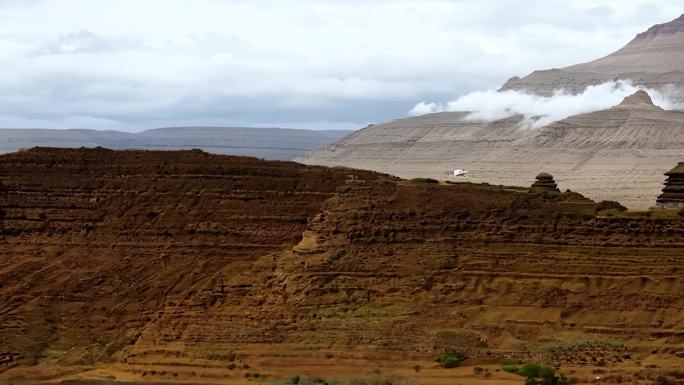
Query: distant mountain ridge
653, 59
268, 143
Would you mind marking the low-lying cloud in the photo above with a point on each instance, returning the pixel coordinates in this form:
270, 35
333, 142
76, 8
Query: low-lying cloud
541, 110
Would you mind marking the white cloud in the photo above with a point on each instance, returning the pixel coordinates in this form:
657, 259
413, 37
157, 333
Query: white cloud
492, 105
140, 63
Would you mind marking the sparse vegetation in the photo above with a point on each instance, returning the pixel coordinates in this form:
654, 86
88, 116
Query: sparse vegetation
538, 374
447, 333
375, 380
610, 205
230, 357
664, 380
511, 368
451, 359
425, 180
576, 346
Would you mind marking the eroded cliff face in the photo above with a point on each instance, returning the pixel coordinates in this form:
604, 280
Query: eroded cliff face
501, 268
150, 260
96, 244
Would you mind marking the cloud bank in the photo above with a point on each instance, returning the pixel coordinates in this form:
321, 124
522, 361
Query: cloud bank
132, 65
541, 110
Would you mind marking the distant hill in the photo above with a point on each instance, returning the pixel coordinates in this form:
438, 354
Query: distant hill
268, 143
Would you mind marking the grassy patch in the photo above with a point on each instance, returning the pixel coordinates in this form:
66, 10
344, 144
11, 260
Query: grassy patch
447, 333
451, 359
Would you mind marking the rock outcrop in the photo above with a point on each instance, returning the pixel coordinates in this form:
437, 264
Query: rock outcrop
639, 100
169, 266
614, 154
653, 59
673, 193
545, 181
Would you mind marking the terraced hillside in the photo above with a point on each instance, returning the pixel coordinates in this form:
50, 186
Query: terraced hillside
189, 267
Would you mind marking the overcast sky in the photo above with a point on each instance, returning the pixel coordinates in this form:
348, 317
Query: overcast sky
138, 64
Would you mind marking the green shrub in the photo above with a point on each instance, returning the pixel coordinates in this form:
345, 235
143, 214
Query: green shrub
538, 374
510, 368
451, 359
536, 371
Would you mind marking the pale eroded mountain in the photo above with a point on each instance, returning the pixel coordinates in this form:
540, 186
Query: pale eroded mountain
654, 59
619, 153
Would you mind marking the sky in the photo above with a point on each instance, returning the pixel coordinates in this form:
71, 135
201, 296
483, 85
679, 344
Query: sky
320, 64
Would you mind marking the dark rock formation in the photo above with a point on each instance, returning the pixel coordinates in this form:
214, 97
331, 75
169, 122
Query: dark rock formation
673, 193
545, 182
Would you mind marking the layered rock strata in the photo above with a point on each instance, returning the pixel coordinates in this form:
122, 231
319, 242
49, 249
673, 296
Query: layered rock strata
673, 193
545, 182
154, 265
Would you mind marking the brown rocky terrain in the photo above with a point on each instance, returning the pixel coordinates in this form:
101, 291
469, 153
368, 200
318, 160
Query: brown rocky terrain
195, 268
619, 153
654, 59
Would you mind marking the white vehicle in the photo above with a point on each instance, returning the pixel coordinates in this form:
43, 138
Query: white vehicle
459, 172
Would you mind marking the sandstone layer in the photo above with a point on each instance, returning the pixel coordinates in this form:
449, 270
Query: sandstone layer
619, 154
151, 266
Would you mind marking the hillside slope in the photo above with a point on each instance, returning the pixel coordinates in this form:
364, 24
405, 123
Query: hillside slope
620, 153
190, 267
